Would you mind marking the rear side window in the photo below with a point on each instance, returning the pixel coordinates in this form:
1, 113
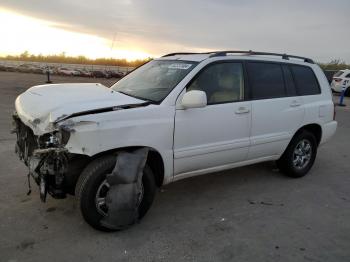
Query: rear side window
266, 80
347, 76
305, 80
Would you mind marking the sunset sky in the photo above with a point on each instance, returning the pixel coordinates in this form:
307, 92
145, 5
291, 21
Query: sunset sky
138, 29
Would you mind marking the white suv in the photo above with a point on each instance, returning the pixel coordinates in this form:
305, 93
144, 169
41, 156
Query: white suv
196, 113
341, 80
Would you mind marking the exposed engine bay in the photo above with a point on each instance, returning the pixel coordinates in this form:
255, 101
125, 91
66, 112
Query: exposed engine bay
45, 157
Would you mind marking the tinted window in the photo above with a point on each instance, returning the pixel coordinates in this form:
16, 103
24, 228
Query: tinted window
305, 80
222, 82
288, 79
266, 80
347, 76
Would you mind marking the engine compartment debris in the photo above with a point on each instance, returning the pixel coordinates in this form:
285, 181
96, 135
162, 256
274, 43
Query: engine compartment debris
45, 156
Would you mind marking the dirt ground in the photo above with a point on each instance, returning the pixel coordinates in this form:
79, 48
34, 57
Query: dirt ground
252, 213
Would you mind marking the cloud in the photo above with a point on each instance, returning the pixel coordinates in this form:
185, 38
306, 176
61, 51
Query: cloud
316, 29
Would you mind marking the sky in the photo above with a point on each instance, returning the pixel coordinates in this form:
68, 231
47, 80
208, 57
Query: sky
140, 28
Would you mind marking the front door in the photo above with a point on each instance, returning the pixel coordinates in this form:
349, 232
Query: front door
216, 136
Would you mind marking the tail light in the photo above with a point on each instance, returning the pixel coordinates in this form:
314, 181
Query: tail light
337, 79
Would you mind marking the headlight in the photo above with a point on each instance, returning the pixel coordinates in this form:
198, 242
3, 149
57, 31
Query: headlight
58, 138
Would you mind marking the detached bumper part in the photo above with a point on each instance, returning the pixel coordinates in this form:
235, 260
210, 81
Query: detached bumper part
125, 193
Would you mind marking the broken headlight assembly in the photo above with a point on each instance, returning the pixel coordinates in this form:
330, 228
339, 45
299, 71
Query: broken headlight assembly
55, 139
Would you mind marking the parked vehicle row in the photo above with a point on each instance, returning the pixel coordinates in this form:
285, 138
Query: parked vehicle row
65, 71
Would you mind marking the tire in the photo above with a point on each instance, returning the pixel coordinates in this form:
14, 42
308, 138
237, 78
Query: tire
93, 176
289, 163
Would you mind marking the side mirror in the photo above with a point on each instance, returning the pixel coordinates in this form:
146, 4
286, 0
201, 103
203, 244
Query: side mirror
194, 99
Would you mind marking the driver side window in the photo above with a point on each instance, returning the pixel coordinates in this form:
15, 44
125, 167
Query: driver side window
222, 82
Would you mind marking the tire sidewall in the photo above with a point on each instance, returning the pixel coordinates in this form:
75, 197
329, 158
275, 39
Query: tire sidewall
287, 159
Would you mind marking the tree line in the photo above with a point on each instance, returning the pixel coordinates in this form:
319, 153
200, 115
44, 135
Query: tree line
62, 58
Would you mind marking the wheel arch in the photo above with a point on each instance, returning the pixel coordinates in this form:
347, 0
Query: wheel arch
313, 128
154, 161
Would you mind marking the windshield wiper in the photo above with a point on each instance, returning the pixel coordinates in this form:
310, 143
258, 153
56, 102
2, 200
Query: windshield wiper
141, 98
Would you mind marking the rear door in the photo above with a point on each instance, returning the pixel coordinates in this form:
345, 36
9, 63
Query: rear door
277, 110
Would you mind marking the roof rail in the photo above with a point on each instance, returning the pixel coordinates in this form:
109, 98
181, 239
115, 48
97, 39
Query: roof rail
250, 52
183, 53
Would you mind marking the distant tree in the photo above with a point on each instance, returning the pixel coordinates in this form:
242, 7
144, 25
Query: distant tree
334, 64
24, 55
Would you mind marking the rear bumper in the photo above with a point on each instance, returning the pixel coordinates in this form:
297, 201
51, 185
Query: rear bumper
337, 88
328, 130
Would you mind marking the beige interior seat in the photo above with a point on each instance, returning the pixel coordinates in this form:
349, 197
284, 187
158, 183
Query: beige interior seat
230, 90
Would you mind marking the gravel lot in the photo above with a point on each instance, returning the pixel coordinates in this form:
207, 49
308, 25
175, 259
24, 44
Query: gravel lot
245, 214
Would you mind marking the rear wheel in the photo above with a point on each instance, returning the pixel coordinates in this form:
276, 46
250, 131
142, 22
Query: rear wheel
92, 188
299, 156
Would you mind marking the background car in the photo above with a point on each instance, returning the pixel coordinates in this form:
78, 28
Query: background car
113, 74
29, 68
341, 79
98, 74
84, 72
69, 72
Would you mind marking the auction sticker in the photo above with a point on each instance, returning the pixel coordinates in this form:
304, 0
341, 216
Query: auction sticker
180, 66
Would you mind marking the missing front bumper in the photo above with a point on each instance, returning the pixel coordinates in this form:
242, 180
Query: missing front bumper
46, 165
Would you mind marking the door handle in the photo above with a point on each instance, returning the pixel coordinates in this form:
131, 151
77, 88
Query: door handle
242, 110
295, 104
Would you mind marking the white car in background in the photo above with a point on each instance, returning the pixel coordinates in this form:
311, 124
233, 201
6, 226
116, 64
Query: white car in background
69, 72
341, 80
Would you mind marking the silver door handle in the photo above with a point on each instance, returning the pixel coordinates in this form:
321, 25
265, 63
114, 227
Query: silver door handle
242, 110
295, 104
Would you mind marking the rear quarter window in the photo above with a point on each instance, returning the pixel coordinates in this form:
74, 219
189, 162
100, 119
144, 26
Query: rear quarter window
305, 80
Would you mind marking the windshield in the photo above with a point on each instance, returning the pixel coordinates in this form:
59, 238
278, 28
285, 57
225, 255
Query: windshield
154, 80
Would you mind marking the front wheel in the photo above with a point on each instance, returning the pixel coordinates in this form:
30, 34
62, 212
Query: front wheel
92, 188
299, 156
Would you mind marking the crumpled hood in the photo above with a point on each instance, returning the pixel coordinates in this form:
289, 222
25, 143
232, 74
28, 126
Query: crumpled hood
40, 106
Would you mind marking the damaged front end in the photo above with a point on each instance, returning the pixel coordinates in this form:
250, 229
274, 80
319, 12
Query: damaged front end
45, 157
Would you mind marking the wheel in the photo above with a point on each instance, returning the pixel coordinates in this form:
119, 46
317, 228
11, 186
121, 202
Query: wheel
92, 188
299, 156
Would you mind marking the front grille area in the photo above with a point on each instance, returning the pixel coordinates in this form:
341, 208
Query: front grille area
47, 162
27, 142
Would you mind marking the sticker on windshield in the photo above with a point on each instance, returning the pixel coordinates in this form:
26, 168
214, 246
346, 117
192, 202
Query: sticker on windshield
180, 66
